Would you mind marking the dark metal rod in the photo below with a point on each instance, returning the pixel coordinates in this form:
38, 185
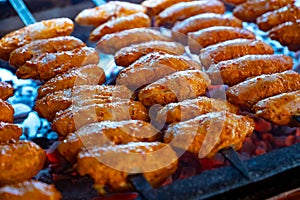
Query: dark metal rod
22, 11
143, 187
231, 155
99, 2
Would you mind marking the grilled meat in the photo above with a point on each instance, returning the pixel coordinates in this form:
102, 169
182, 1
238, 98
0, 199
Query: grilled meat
156, 6
6, 90
6, 112
9, 132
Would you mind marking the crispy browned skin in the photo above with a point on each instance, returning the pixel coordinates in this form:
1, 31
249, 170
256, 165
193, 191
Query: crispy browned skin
9, 132
6, 90
67, 121
20, 161
188, 109
274, 18
48, 65
137, 20
279, 109
19, 56
127, 55
235, 2
6, 112
86, 75
233, 49
184, 10
40, 30
206, 20
155, 154
101, 14
153, 67
29, 190
156, 6
61, 100
205, 135
175, 87
287, 33
107, 133
111, 43
216, 34
250, 10
234, 71
249, 92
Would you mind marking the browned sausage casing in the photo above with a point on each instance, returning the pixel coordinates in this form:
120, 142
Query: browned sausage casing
107, 133
62, 99
9, 132
250, 10
188, 109
67, 121
153, 67
206, 20
234, 71
127, 55
19, 56
6, 112
6, 90
137, 20
40, 30
249, 92
145, 154
205, 135
86, 75
184, 10
101, 14
111, 43
216, 34
48, 65
20, 161
175, 87
233, 49
235, 2
29, 190
279, 109
156, 6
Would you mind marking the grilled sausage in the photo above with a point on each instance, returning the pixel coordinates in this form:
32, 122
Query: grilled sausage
216, 34
287, 33
137, 20
20, 161
205, 135
235, 2
6, 112
101, 14
249, 92
6, 90
29, 190
107, 133
40, 30
9, 132
67, 121
86, 75
234, 71
111, 43
61, 100
156, 6
232, 49
250, 10
128, 55
22, 54
48, 65
184, 10
155, 160
188, 109
175, 87
279, 109
153, 67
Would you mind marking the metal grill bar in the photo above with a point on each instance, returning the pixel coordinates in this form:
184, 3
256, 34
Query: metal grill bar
22, 11
99, 2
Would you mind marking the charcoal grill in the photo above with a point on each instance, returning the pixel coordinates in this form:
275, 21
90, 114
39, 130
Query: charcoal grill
260, 177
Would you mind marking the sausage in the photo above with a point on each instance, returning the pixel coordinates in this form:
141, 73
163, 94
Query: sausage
6, 90
9, 132
237, 70
156, 6
128, 55
48, 65
40, 30
232, 49
111, 43
234, 2
7, 112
